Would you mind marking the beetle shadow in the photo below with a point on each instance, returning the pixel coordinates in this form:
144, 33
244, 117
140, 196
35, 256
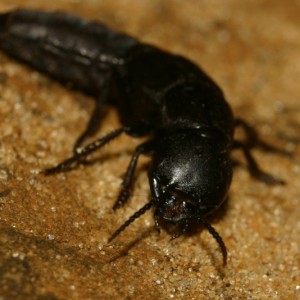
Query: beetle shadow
126, 248
123, 252
5, 193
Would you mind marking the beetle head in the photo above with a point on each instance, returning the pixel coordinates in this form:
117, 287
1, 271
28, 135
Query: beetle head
190, 174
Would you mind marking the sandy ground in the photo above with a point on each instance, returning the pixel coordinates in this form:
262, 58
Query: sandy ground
53, 230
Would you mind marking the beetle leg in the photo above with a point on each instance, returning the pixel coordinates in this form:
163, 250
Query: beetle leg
253, 139
96, 118
254, 169
128, 178
85, 151
92, 127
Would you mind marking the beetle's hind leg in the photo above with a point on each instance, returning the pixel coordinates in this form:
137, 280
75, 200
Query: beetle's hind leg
94, 121
91, 129
253, 140
254, 169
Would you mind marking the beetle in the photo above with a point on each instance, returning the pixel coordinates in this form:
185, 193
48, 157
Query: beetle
157, 94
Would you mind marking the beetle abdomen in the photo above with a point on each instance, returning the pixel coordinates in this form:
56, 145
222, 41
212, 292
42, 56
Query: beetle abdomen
64, 46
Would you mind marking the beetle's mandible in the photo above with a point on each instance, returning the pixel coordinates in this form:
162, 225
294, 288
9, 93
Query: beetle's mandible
164, 96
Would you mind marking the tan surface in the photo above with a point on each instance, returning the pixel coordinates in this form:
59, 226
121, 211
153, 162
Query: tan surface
53, 230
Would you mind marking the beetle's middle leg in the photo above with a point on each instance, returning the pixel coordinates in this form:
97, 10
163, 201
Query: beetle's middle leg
90, 148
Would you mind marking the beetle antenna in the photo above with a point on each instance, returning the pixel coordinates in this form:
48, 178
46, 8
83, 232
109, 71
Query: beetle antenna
217, 237
85, 151
136, 215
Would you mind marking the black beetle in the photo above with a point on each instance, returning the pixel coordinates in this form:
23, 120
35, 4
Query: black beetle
165, 96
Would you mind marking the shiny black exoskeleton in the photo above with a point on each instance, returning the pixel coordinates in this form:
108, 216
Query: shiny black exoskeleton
167, 97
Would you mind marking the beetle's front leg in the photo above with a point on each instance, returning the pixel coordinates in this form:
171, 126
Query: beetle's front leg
128, 178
